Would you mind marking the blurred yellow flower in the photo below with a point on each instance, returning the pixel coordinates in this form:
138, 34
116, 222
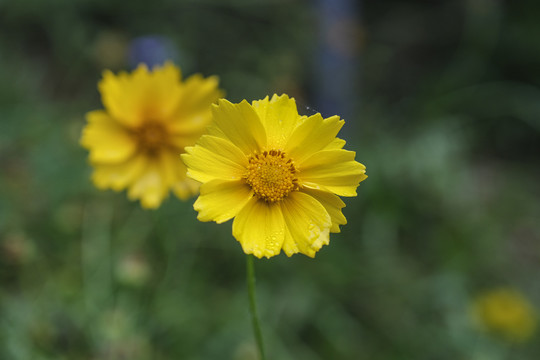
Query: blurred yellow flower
276, 172
505, 312
149, 117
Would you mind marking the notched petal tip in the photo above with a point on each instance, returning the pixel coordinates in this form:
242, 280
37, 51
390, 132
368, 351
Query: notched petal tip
261, 101
106, 75
142, 67
150, 205
222, 102
166, 64
276, 97
188, 150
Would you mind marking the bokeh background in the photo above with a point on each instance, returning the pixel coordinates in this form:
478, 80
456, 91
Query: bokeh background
442, 104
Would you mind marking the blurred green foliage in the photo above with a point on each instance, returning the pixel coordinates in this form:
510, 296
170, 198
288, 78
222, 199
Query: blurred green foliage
448, 125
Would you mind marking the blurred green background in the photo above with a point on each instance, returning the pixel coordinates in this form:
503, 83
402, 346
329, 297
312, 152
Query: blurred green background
442, 103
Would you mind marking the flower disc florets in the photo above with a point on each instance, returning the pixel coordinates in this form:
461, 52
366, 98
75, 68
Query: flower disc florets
151, 136
271, 175
279, 174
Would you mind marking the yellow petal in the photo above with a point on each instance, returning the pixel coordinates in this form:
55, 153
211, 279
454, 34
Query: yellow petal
107, 141
193, 113
289, 245
149, 187
332, 170
279, 117
220, 200
174, 174
118, 176
163, 93
336, 144
132, 98
308, 223
260, 229
186, 188
240, 124
333, 205
170, 166
312, 135
214, 158
180, 141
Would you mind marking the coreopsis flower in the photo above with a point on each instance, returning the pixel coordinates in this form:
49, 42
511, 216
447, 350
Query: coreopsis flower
149, 117
278, 174
506, 313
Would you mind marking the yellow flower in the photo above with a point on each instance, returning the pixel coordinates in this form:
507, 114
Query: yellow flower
506, 313
276, 172
149, 117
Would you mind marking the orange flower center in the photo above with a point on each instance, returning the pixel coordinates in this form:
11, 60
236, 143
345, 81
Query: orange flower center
151, 136
271, 175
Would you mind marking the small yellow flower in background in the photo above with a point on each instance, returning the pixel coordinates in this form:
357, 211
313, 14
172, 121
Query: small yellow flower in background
149, 117
276, 172
505, 312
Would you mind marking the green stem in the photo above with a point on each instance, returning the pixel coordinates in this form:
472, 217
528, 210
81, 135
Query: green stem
253, 306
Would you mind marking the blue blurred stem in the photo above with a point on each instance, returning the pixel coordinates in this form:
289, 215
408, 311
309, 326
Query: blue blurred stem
253, 305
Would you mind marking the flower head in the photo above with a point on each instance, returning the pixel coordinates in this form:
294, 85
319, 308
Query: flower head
505, 312
149, 117
277, 173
